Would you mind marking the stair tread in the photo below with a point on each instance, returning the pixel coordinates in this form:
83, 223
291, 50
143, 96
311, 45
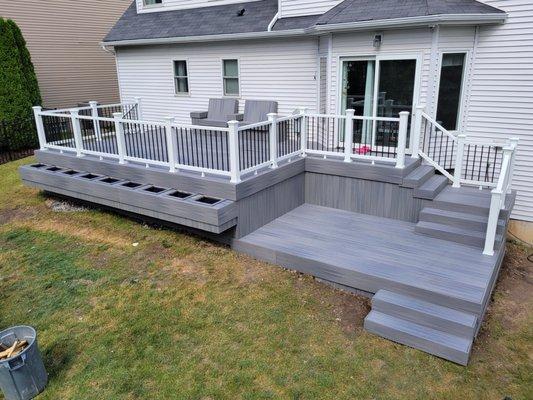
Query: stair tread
435, 336
433, 182
450, 229
425, 307
431, 187
421, 173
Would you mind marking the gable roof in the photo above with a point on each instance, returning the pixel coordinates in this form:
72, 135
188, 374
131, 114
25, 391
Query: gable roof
369, 10
223, 21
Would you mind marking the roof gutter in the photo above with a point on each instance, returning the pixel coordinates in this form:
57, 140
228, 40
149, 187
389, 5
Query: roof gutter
274, 20
445, 19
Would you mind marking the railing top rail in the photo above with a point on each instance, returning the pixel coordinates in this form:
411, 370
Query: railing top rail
325, 115
289, 117
384, 119
115, 105
255, 125
189, 126
504, 171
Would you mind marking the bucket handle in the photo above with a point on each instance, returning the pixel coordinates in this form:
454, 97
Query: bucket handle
16, 363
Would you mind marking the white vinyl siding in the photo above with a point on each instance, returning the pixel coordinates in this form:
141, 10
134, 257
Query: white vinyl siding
500, 98
278, 70
294, 8
169, 5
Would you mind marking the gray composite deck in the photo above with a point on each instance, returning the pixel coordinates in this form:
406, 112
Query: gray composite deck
372, 253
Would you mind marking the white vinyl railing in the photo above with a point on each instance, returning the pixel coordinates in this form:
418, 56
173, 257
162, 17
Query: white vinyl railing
465, 161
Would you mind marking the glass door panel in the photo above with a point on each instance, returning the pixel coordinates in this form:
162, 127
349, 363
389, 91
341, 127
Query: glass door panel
358, 80
395, 94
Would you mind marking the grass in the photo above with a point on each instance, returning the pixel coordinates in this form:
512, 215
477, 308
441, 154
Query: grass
179, 317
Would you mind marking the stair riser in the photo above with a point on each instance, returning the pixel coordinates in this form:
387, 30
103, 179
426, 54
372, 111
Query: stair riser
450, 206
417, 343
454, 237
413, 183
425, 319
458, 222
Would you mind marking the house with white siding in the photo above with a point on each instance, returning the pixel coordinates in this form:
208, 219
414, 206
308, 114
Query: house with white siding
377, 145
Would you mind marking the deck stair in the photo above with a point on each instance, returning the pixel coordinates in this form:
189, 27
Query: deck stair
418, 176
460, 215
438, 330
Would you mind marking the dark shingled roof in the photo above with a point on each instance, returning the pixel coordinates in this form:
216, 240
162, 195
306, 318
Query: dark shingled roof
368, 10
220, 20
214, 20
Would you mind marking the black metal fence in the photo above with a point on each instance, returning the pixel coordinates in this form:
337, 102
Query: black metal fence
254, 146
18, 139
289, 132
202, 148
482, 162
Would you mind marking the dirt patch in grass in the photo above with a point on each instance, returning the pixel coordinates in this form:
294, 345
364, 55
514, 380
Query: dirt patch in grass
8, 215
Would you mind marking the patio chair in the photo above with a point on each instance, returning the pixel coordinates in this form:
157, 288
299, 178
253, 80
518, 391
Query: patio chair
219, 112
256, 111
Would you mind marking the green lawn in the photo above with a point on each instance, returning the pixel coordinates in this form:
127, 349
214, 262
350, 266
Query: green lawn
177, 317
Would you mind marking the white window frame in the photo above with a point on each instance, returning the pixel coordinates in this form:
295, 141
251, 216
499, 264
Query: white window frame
156, 5
174, 76
224, 94
462, 94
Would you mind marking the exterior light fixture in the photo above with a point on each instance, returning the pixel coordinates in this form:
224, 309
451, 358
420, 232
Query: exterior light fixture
378, 38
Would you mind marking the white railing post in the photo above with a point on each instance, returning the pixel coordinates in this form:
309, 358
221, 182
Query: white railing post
513, 144
492, 223
121, 142
40, 126
303, 134
458, 170
96, 124
415, 147
273, 136
76, 129
233, 140
402, 139
138, 102
172, 144
348, 135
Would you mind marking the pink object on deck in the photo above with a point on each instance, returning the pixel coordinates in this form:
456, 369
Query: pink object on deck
363, 150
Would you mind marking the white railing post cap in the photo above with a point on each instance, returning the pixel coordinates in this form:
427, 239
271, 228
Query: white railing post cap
37, 108
169, 119
74, 111
117, 115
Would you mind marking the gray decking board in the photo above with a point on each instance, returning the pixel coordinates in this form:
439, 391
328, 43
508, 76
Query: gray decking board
431, 187
377, 253
418, 176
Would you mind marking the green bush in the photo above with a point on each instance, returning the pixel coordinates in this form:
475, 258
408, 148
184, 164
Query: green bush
19, 90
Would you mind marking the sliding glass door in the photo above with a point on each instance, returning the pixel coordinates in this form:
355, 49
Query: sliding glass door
378, 87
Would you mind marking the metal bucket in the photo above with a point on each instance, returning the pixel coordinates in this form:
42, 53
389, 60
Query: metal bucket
23, 376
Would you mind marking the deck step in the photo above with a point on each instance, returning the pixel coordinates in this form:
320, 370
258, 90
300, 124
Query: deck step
418, 176
454, 234
431, 187
433, 341
433, 316
458, 219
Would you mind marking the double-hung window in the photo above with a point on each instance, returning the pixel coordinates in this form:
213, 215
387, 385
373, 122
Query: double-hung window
450, 90
152, 2
181, 79
230, 77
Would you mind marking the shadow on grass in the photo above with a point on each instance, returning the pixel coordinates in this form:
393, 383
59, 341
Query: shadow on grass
58, 357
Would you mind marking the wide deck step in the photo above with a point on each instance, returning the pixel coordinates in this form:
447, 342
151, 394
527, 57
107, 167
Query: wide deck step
454, 234
431, 188
418, 176
433, 341
458, 219
433, 316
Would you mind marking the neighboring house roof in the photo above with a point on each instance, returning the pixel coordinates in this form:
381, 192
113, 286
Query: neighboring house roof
224, 21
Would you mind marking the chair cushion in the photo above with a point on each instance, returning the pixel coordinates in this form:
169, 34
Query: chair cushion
257, 110
219, 109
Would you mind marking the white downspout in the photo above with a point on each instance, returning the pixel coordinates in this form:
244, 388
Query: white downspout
274, 20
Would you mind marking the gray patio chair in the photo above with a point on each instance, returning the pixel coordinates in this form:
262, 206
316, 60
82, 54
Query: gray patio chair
256, 111
219, 112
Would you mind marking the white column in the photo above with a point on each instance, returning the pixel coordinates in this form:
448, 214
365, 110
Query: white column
273, 119
121, 142
138, 101
172, 144
76, 129
348, 135
303, 133
233, 140
459, 160
402, 139
513, 143
96, 123
492, 224
415, 147
40, 127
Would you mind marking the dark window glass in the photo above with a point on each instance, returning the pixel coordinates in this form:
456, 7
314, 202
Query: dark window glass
451, 80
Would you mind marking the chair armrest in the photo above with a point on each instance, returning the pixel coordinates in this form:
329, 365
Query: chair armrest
199, 114
235, 117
